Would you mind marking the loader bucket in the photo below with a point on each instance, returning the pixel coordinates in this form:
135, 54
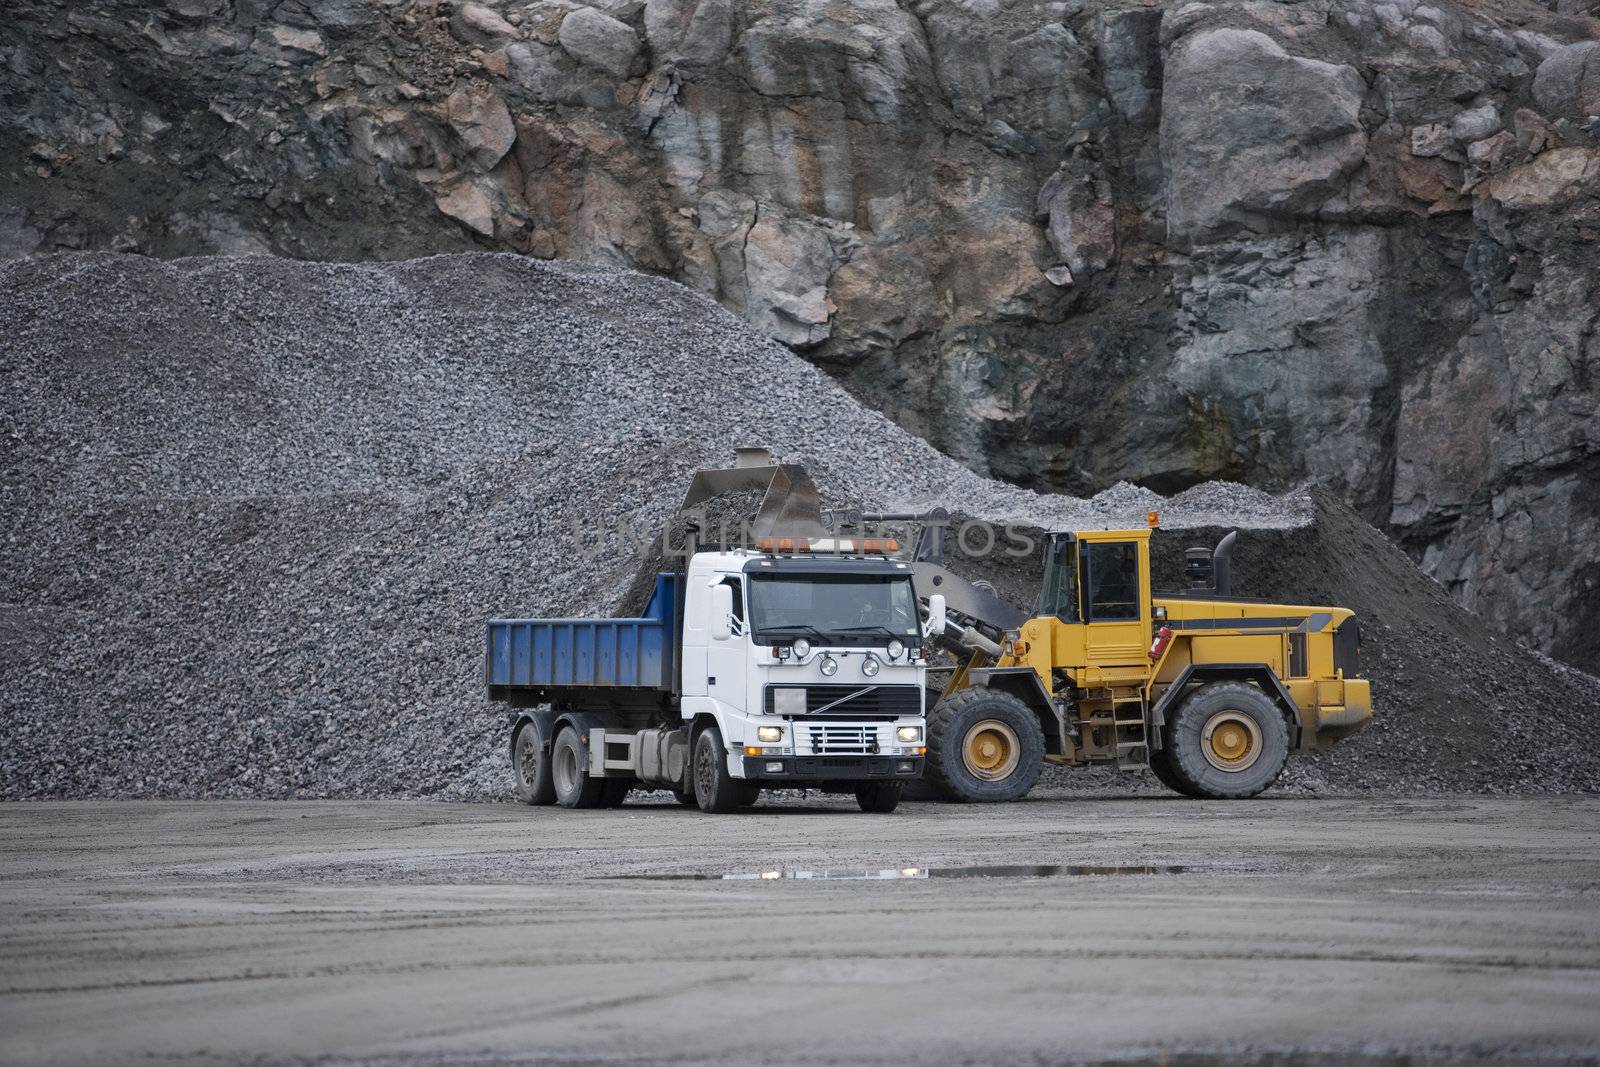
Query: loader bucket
790, 506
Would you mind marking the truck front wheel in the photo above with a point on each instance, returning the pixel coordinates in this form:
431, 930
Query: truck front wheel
1228, 740
715, 790
531, 763
983, 745
880, 797
568, 767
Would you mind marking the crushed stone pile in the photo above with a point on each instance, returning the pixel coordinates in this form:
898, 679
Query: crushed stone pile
257, 511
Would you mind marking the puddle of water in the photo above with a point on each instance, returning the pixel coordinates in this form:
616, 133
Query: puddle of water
856, 874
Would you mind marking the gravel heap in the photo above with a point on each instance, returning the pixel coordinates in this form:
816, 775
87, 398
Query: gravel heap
258, 510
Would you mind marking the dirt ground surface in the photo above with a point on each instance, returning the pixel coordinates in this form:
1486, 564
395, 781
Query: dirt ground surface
1325, 930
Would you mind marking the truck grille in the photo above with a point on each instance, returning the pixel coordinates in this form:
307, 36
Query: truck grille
842, 740
860, 699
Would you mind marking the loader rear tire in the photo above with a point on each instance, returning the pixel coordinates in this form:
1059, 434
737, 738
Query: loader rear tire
715, 789
984, 746
1227, 741
1161, 767
531, 765
568, 766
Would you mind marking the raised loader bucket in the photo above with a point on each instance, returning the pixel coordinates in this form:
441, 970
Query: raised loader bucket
789, 504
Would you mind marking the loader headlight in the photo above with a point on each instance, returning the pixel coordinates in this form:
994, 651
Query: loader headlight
908, 734
870, 666
802, 648
896, 649
830, 666
769, 734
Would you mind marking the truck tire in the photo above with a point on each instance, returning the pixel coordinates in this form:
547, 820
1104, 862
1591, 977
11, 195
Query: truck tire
614, 791
530, 763
749, 793
984, 746
1227, 741
880, 797
1161, 767
715, 790
569, 770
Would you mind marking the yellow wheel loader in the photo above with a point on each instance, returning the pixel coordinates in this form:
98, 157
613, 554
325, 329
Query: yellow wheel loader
1209, 691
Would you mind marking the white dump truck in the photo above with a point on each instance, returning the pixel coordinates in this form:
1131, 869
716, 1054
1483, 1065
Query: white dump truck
797, 662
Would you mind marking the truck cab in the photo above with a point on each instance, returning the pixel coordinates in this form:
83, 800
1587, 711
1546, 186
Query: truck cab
811, 666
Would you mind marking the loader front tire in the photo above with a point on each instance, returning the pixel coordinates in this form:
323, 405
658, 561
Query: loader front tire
715, 790
984, 746
531, 765
569, 767
1227, 741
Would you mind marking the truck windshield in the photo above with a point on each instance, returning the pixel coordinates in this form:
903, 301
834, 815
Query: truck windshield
833, 607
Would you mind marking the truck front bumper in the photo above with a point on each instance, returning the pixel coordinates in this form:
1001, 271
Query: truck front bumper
831, 768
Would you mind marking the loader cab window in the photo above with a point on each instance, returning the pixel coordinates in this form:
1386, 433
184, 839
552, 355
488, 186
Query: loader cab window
1058, 595
1111, 580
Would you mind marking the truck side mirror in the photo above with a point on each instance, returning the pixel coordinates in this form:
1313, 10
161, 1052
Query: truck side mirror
721, 611
935, 624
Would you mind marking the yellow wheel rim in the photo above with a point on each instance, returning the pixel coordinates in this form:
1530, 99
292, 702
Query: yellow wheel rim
1231, 741
990, 750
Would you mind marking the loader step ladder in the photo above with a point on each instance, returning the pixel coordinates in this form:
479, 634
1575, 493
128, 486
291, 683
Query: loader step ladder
1129, 714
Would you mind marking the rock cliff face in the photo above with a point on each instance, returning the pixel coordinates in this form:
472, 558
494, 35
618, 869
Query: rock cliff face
1067, 242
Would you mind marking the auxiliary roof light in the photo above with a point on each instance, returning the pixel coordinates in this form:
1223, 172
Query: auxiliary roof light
872, 546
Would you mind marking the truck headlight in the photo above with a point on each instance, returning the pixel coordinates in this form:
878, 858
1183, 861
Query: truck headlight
830, 666
771, 735
802, 648
908, 734
896, 649
870, 666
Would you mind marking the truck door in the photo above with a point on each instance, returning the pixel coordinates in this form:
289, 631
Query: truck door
1114, 596
727, 660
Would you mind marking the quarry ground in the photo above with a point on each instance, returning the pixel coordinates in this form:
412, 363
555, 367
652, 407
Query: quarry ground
412, 932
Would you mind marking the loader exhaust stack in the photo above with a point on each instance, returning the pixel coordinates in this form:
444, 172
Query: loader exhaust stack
1211, 570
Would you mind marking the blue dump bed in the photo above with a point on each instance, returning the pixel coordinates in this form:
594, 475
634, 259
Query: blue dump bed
525, 654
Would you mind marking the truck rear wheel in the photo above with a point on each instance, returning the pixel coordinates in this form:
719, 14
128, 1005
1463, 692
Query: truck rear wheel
568, 768
1227, 741
983, 746
880, 797
531, 765
715, 790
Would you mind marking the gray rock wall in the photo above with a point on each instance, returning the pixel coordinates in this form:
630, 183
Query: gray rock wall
1068, 243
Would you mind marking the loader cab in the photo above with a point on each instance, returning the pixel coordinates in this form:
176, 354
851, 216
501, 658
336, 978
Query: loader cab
1096, 594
